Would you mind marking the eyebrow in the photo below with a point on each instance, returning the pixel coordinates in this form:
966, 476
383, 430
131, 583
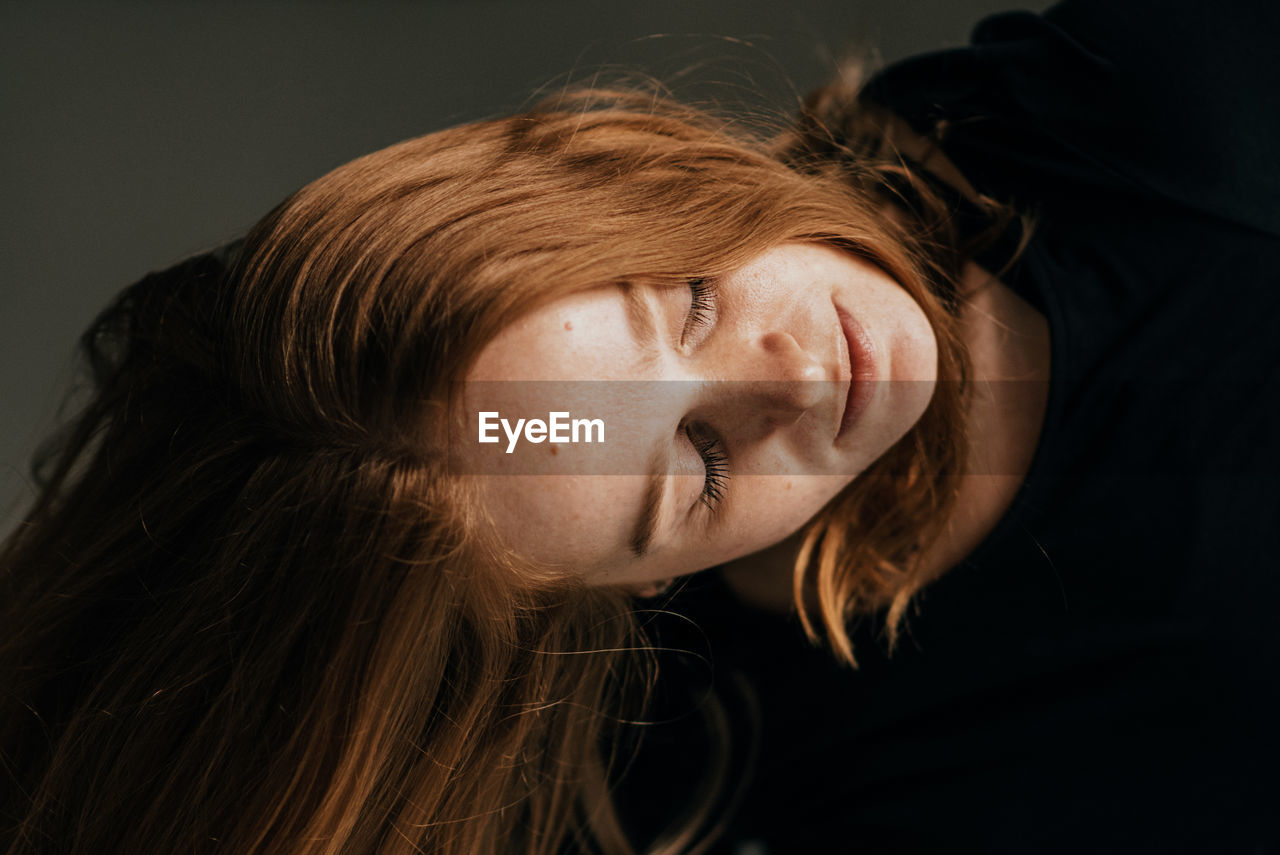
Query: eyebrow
643, 325
644, 328
651, 510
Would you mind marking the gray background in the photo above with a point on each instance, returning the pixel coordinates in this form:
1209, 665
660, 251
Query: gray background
133, 134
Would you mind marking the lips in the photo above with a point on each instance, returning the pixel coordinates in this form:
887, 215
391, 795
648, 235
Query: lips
862, 370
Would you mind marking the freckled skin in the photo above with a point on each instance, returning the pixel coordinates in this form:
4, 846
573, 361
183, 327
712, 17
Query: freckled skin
776, 333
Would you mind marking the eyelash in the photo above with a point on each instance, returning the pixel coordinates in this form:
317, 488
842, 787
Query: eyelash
716, 461
702, 307
709, 446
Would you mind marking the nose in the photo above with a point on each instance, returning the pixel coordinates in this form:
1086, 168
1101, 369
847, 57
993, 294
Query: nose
778, 380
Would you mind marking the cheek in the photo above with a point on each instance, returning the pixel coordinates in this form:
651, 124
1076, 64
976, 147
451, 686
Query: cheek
775, 507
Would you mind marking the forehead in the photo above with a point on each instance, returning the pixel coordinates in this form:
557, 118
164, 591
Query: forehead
577, 337
574, 502
575, 522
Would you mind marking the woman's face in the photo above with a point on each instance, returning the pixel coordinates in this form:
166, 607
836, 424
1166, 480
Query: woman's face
730, 411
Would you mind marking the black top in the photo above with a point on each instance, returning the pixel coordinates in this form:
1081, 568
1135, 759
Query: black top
1100, 674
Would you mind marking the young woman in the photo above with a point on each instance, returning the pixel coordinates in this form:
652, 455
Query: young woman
277, 594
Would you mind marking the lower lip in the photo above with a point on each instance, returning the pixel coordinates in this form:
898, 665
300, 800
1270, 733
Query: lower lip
862, 365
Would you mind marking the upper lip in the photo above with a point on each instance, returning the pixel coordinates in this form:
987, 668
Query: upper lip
858, 349
844, 364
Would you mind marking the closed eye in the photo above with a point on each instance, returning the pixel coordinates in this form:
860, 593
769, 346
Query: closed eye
702, 308
711, 449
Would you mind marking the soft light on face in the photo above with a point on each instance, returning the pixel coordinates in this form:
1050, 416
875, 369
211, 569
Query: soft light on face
732, 411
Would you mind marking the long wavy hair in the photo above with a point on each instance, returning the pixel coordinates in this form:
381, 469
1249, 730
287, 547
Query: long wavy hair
250, 611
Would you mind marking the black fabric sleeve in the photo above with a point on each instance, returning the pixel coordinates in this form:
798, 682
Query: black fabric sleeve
1176, 100
1193, 89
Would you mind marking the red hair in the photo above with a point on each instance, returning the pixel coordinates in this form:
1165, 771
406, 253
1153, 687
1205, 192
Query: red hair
251, 612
